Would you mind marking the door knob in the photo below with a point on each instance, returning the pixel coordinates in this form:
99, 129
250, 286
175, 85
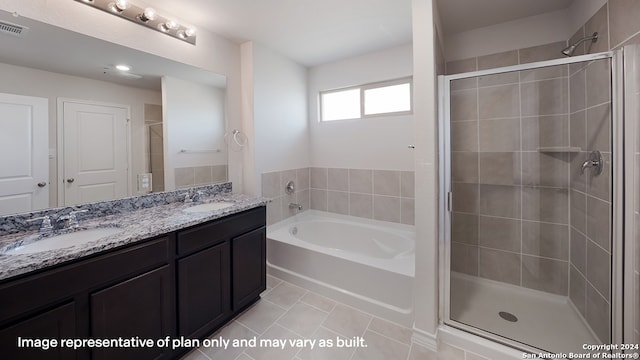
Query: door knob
42, 184
70, 180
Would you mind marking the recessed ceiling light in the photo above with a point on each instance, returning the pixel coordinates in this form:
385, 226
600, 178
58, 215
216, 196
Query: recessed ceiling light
123, 67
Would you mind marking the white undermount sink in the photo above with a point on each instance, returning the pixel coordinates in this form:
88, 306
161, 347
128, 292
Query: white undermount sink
62, 240
212, 206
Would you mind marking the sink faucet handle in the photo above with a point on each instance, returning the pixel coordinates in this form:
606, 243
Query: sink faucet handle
76, 212
198, 195
46, 223
71, 218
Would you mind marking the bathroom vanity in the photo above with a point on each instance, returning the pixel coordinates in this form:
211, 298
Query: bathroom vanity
188, 276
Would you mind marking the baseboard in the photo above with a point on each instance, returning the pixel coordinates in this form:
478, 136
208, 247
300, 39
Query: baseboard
425, 339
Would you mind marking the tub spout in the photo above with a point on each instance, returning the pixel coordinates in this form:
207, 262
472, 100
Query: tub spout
295, 206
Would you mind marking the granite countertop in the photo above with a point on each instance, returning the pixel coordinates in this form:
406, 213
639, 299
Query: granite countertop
135, 225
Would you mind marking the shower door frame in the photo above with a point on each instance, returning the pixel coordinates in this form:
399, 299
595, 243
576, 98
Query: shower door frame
445, 201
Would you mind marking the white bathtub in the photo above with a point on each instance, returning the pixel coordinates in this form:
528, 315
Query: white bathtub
364, 263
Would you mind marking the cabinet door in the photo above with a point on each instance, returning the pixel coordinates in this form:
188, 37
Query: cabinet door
248, 259
203, 291
141, 307
59, 323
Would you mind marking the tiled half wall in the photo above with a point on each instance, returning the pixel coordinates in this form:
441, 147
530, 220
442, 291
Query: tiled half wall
386, 195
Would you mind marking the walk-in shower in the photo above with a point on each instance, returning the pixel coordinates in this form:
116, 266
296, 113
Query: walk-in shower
527, 182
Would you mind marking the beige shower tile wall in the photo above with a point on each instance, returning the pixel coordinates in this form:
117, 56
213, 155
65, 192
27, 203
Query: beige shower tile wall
617, 25
200, 175
590, 194
274, 187
511, 215
385, 195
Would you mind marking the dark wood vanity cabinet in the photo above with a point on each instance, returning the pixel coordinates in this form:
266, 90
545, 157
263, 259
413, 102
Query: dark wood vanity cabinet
139, 307
248, 267
126, 292
203, 291
187, 283
56, 323
214, 260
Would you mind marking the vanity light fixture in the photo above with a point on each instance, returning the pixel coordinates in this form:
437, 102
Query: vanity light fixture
145, 16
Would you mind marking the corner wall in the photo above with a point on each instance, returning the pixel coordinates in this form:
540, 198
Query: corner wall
425, 130
279, 113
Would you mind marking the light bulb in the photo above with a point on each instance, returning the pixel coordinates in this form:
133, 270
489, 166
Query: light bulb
169, 25
190, 32
147, 15
123, 67
121, 5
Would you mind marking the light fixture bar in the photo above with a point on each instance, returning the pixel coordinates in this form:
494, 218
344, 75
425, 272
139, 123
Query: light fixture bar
145, 16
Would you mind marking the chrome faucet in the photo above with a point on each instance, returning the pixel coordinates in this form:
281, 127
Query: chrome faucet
45, 226
295, 206
70, 221
197, 196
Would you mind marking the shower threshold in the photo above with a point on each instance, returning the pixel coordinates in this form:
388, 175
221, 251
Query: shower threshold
545, 321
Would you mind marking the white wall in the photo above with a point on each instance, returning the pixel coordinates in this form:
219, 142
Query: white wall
374, 143
193, 119
212, 52
279, 95
426, 173
32, 82
522, 33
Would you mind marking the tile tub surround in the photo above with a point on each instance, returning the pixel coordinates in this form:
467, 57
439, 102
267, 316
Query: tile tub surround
385, 195
139, 218
273, 187
290, 312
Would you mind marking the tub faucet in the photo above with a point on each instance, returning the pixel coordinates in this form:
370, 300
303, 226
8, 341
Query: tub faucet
295, 206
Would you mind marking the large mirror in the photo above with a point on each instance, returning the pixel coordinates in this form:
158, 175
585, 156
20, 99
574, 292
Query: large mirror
77, 129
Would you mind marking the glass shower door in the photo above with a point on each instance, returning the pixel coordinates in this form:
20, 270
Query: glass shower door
530, 170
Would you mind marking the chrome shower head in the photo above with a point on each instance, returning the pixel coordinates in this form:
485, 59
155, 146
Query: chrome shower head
569, 50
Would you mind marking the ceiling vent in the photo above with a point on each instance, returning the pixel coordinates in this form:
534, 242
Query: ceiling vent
13, 29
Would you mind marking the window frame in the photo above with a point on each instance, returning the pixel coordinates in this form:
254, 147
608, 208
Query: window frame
362, 89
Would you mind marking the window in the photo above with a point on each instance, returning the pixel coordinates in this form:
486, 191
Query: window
384, 98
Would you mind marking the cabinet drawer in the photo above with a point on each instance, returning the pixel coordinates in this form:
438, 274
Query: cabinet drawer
37, 291
218, 231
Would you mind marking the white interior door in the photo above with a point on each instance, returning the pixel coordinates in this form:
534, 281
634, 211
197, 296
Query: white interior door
24, 153
95, 152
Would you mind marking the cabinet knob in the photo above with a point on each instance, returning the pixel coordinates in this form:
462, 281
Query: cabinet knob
42, 184
70, 180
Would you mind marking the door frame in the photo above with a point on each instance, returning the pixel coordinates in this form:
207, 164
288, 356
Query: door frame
60, 140
445, 202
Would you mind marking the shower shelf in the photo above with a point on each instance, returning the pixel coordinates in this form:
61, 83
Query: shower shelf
560, 149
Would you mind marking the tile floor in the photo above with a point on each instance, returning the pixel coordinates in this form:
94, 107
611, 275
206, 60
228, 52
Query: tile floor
290, 312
